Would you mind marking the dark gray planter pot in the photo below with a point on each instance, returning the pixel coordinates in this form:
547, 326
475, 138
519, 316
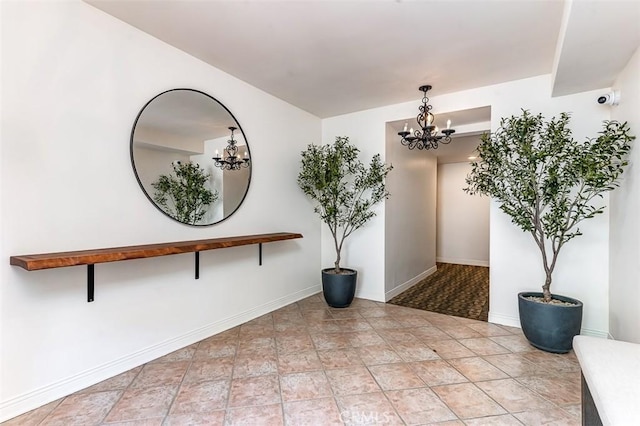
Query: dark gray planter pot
339, 289
550, 327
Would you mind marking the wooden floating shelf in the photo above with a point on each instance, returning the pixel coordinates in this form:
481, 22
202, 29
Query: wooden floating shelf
33, 262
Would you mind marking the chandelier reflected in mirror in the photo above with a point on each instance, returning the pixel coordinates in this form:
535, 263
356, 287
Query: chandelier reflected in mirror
426, 137
231, 159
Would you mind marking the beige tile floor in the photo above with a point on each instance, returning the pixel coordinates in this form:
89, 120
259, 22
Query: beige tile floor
306, 364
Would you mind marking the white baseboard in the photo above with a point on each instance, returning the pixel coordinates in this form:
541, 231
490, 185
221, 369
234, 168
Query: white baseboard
376, 297
515, 322
21, 404
470, 262
595, 333
408, 284
504, 320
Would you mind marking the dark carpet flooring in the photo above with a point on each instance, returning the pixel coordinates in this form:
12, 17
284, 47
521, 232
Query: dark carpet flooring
459, 290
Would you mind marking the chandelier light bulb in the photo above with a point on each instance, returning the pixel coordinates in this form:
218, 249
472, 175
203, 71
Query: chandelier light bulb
448, 124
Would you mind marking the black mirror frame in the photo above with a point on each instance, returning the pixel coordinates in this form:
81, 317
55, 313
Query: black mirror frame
135, 171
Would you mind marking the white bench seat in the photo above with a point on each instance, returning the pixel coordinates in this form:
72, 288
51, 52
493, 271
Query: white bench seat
611, 370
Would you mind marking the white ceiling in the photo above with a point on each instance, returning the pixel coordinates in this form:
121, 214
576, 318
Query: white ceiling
334, 57
596, 41
459, 150
331, 57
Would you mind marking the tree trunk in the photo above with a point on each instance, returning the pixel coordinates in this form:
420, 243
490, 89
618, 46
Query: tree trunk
546, 293
338, 247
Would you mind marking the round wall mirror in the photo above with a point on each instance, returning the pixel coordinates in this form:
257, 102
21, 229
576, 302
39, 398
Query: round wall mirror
191, 157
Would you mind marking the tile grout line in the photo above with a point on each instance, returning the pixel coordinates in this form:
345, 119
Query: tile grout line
179, 387
124, 390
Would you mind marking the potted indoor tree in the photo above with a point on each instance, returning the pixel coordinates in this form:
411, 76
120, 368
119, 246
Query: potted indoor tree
183, 194
344, 191
548, 183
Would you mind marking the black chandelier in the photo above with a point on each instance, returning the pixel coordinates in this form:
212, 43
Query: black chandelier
428, 137
231, 161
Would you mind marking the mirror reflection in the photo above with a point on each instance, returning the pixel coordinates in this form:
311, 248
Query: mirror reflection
190, 157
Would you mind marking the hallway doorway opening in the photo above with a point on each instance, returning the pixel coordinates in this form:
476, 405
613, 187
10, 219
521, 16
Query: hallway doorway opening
436, 235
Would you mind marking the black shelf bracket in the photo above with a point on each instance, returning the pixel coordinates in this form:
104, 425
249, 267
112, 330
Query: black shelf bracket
90, 282
197, 265
91, 273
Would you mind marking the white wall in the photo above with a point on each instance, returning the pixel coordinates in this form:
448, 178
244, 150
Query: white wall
583, 269
73, 80
462, 220
624, 291
234, 183
410, 216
